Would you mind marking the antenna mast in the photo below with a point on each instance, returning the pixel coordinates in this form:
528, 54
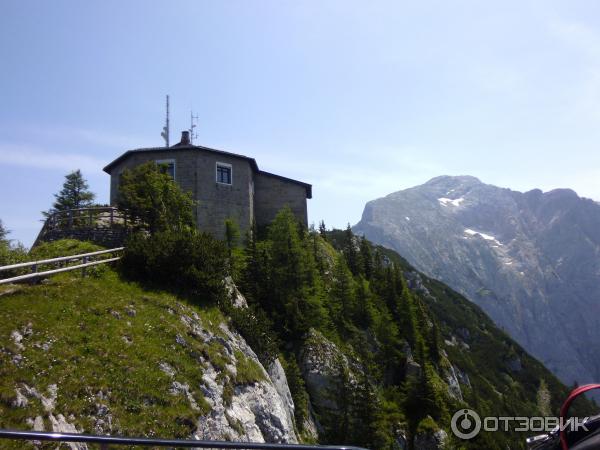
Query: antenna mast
165, 131
193, 124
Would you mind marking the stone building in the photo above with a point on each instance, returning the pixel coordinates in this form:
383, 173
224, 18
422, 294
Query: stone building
225, 185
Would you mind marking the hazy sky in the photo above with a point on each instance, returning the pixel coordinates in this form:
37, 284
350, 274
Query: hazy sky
360, 99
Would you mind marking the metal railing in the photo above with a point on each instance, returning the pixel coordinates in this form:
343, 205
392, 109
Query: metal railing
84, 257
105, 441
99, 216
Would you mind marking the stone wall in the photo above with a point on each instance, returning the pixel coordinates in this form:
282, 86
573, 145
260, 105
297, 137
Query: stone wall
195, 172
251, 195
106, 237
272, 194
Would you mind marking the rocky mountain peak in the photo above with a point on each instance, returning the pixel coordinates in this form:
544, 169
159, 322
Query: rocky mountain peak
530, 260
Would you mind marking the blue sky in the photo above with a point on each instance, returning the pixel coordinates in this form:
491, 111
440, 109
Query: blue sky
358, 98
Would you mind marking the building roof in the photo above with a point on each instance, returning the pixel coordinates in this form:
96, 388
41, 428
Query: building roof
180, 146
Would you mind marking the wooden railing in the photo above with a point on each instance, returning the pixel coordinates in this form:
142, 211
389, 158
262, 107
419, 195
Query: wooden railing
62, 261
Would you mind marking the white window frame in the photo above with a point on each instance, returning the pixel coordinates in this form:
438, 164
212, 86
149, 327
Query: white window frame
168, 161
230, 167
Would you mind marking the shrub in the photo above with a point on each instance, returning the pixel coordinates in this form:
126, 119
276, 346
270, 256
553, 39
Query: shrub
187, 262
256, 328
62, 247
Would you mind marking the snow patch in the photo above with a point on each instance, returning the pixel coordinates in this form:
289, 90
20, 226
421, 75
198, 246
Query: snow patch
487, 237
407, 218
448, 201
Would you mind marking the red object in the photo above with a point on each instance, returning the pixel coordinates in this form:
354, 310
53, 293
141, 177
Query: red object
564, 409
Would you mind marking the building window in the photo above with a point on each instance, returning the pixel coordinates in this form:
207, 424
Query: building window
224, 173
167, 166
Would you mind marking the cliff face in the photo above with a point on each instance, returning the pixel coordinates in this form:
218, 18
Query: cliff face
103, 356
530, 260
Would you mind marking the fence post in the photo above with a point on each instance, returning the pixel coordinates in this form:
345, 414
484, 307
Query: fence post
70, 218
34, 268
83, 269
90, 217
112, 216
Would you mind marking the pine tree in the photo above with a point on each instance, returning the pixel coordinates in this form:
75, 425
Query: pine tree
350, 252
296, 293
74, 193
3, 233
366, 257
322, 229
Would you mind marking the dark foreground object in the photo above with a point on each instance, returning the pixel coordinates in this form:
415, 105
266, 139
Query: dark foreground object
105, 441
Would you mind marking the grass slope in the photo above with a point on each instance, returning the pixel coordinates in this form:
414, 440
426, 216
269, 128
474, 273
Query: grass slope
100, 340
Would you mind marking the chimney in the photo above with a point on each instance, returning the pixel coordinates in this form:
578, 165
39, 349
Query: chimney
185, 138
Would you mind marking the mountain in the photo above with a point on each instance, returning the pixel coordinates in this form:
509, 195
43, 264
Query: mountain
529, 260
383, 356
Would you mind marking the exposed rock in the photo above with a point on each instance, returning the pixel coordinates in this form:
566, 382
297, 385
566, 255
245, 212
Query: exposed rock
516, 255
61, 425
238, 300
279, 380
166, 368
38, 424
48, 402
437, 440
401, 438
454, 389
463, 377
413, 369
17, 338
180, 340
254, 412
311, 426
178, 388
20, 400
321, 362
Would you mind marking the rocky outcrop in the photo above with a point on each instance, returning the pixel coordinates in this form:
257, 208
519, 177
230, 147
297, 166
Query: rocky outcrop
433, 440
322, 363
248, 412
452, 379
529, 260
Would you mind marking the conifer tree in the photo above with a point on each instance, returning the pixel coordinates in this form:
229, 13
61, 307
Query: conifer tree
232, 234
433, 343
74, 193
350, 252
342, 296
322, 229
367, 258
3, 233
295, 294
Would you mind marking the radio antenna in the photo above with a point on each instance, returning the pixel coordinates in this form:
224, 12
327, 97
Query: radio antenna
165, 131
193, 124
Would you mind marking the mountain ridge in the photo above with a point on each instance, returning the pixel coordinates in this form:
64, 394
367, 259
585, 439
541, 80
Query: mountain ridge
518, 255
